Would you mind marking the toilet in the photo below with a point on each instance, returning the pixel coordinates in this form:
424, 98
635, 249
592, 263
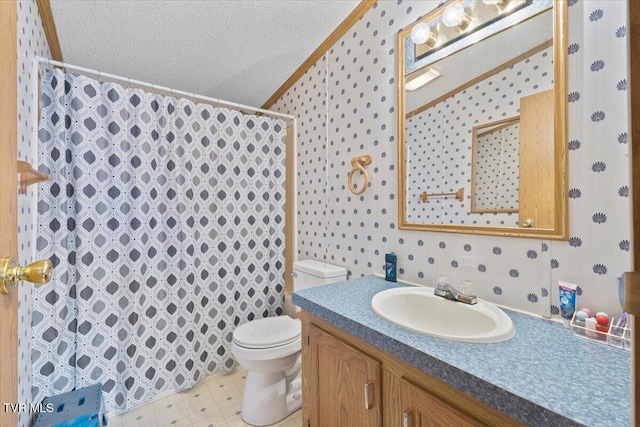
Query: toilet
270, 349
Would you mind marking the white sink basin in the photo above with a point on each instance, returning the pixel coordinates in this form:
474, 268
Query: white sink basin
418, 309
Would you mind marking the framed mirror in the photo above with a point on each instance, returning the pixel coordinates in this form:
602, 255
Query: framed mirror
482, 119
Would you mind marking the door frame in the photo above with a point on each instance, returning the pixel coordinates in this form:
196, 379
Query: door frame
8, 206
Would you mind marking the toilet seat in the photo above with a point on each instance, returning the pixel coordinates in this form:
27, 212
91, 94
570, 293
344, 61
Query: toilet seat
266, 354
268, 332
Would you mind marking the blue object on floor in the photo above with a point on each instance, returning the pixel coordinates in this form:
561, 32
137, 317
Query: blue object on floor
83, 407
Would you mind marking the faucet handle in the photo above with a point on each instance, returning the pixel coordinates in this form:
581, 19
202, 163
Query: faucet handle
467, 287
442, 282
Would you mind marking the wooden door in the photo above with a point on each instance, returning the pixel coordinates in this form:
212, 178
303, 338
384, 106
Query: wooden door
422, 409
8, 206
537, 161
343, 384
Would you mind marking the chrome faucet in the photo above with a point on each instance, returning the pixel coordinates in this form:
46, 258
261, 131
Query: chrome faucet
447, 291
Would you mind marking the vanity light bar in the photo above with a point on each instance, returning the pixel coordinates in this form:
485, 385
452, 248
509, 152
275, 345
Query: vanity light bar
468, 16
422, 79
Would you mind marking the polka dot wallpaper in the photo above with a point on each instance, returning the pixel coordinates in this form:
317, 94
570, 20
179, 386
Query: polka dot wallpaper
31, 42
346, 105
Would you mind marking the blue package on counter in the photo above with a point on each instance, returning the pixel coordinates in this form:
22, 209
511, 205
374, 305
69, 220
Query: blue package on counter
390, 267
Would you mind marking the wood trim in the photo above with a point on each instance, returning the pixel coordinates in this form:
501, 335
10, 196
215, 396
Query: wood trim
340, 31
474, 210
402, 185
8, 204
561, 132
50, 29
481, 77
504, 123
392, 371
634, 95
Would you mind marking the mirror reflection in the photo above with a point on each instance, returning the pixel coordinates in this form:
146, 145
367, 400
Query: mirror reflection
494, 166
481, 122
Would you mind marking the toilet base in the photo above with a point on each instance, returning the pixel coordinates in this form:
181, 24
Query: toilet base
270, 397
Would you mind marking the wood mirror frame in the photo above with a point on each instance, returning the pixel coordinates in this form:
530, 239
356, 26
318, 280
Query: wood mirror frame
559, 228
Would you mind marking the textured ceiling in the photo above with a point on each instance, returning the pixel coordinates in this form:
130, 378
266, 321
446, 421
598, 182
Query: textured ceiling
240, 51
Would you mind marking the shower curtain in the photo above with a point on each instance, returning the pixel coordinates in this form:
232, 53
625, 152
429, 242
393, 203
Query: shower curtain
164, 220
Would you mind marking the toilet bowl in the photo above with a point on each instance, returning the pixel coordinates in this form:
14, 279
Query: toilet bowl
269, 349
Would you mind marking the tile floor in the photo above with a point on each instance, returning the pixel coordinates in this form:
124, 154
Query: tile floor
215, 402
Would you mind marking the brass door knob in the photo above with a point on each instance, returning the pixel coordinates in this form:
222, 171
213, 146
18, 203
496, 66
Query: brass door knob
11, 273
527, 223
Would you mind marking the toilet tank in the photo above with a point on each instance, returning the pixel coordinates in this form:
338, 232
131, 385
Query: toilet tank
308, 273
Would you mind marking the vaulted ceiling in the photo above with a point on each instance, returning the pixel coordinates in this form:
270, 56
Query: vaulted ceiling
236, 50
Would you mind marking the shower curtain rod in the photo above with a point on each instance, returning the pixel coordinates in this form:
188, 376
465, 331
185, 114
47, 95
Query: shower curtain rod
40, 60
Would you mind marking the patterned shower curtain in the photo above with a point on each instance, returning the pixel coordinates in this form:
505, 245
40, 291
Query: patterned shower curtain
164, 220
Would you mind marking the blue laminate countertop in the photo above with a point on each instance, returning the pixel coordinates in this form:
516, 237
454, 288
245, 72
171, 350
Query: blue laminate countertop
543, 376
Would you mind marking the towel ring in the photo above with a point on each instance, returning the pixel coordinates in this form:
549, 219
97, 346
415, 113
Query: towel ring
358, 164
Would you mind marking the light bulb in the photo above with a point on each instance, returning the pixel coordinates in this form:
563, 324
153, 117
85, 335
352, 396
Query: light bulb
420, 33
453, 15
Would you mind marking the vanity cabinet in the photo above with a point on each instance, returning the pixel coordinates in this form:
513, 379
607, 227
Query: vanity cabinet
423, 409
347, 382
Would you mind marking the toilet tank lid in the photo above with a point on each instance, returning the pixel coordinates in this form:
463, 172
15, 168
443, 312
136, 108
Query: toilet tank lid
319, 269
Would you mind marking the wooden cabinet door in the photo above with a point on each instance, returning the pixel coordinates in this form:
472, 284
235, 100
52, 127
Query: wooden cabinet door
537, 161
342, 384
422, 409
